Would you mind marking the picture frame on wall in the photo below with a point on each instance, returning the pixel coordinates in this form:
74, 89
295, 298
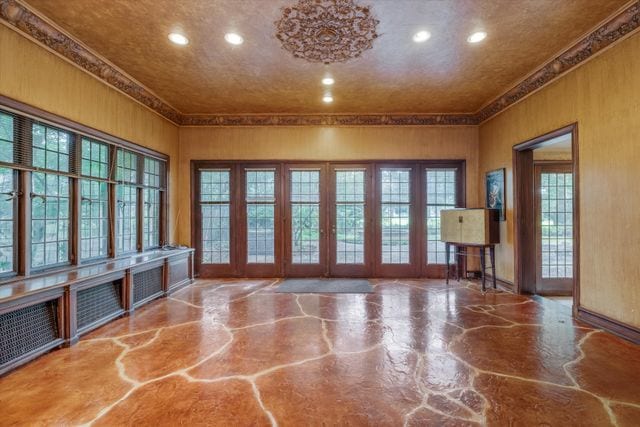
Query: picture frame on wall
494, 185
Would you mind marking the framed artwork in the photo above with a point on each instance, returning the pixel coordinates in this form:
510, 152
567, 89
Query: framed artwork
494, 184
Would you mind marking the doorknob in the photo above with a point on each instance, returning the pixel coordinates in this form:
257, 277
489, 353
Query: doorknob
333, 230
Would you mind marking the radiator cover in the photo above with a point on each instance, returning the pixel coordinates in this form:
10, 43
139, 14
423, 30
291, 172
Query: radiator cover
98, 302
28, 329
147, 284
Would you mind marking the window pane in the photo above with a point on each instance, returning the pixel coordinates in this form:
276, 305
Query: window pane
95, 159
214, 209
260, 234
214, 186
7, 222
151, 224
49, 220
305, 216
215, 234
260, 187
6, 139
126, 225
350, 197
94, 219
126, 167
395, 199
51, 148
152, 173
556, 215
395, 185
440, 194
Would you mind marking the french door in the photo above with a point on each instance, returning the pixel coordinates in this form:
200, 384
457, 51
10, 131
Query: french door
305, 220
351, 218
554, 228
313, 219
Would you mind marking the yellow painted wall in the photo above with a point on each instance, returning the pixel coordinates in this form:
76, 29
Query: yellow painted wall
35, 76
322, 143
603, 97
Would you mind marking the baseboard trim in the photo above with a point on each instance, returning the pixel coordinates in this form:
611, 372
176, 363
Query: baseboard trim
504, 284
616, 327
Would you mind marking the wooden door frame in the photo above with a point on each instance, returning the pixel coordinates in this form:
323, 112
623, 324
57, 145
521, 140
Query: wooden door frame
304, 270
540, 166
245, 268
213, 270
524, 211
352, 270
414, 267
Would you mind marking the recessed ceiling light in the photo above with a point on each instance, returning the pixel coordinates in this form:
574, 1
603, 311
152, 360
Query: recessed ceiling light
477, 37
328, 81
421, 36
178, 38
233, 38
328, 99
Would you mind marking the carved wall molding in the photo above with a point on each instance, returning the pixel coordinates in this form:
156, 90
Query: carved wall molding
615, 29
331, 120
19, 17
326, 31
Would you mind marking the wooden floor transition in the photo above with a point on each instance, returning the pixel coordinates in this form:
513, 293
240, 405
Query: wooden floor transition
415, 352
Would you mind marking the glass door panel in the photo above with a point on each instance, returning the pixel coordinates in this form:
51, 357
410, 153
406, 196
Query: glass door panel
396, 225
215, 244
350, 221
304, 240
440, 192
261, 222
554, 229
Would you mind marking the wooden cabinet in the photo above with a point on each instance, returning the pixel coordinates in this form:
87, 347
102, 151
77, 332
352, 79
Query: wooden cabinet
470, 226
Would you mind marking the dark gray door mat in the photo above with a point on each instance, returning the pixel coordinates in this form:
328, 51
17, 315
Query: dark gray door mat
338, 286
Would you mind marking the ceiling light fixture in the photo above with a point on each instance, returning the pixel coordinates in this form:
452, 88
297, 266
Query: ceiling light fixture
477, 37
178, 38
328, 81
233, 38
421, 36
327, 99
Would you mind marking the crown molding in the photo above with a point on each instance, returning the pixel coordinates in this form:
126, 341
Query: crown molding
621, 25
331, 120
30, 24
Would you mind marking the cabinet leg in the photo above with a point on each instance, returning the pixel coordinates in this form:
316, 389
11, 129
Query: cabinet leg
447, 250
482, 268
492, 254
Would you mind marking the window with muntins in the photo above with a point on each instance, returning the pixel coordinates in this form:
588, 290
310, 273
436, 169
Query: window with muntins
152, 203
82, 193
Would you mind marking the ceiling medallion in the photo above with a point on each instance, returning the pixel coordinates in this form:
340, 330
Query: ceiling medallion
326, 30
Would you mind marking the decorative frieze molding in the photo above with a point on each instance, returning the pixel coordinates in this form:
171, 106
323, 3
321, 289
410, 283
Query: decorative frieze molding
19, 17
613, 30
331, 120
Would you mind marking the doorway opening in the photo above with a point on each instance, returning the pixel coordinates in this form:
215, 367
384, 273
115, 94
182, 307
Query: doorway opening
547, 216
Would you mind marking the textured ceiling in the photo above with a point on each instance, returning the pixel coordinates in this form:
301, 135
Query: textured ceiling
443, 75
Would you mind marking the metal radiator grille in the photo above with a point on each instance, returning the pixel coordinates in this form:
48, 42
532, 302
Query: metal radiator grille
178, 271
27, 329
98, 302
146, 284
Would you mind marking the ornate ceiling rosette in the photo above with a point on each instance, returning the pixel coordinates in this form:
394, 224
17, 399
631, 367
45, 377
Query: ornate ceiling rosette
327, 30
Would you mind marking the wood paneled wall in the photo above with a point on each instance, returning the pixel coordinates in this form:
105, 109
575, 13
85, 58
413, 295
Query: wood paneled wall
603, 97
35, 76
322, 143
